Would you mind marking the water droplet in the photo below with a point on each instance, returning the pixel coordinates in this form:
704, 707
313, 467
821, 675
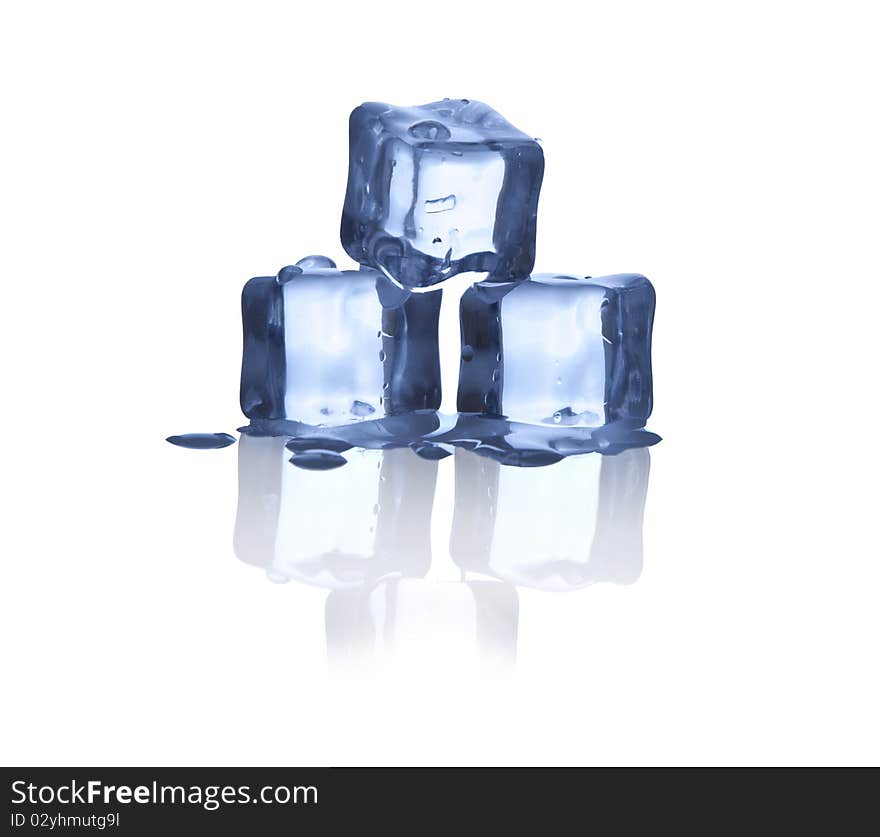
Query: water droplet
276, 577
381, 356
315, 263
467, 354
530, 458
288, 273
432, 452
437, 241
496, 374
429, 130
559, 380
304, 444
318, 460
498, 357
202, 441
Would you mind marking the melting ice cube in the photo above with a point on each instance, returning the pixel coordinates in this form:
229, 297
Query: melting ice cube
438, 189
325, 346
561, 350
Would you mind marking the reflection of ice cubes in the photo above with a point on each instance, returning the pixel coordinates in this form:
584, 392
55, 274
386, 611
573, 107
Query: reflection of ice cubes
339, 529
556, 528
469, 624
320, 347
364, 531
440, 189
559, 350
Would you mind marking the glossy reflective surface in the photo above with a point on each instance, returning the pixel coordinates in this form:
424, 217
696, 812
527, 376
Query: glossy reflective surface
438, 189
368, 534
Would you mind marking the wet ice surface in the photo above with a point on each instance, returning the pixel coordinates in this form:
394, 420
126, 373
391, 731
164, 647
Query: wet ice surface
329, 346
202, 441
434, 435
365, 534
439, 189
558, 349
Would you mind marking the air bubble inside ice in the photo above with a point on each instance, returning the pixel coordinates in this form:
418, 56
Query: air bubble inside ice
429, 130
361, 408
440, 204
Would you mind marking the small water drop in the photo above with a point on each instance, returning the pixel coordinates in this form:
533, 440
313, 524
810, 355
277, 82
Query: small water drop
467, 354
381, 356
276, 577
288, 273
202, 441
315, 263
431, 452
305, 444
437, 241
559, 380
496, 374
318, 460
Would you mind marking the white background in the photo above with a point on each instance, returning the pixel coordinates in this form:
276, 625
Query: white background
155, 156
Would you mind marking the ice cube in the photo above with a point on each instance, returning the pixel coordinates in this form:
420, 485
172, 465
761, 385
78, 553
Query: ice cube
439, 189
556, 528
325, 346
341, 529
561, 350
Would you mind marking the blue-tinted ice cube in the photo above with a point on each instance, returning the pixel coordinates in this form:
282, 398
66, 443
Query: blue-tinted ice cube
324, 346
438, 189
560, 350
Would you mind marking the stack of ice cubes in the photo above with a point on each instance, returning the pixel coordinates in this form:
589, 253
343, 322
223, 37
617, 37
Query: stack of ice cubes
433, 191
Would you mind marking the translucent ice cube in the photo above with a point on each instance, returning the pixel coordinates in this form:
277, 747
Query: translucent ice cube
438, 189
559, 350
557, 528
326, 346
